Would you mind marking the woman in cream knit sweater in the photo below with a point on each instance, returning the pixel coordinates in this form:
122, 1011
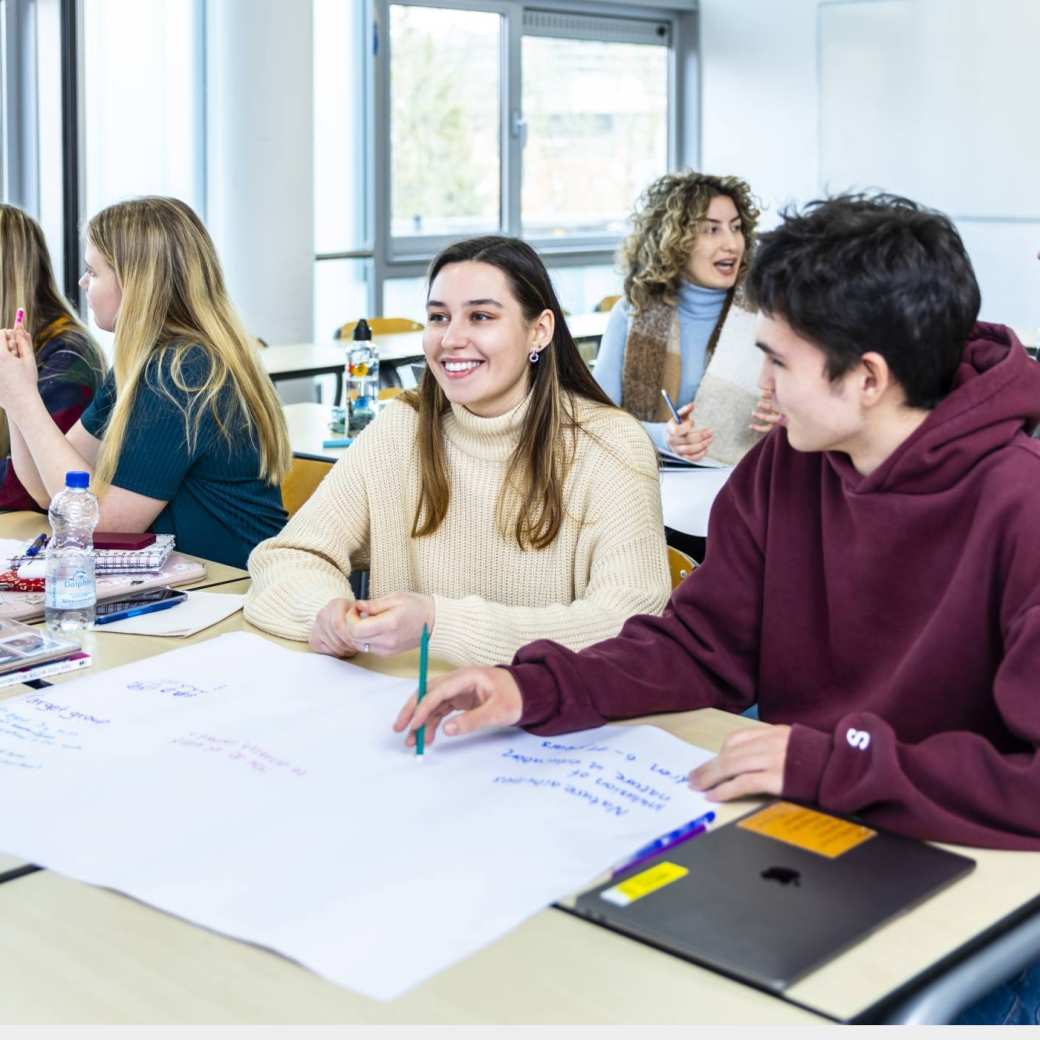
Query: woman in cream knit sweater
506, 500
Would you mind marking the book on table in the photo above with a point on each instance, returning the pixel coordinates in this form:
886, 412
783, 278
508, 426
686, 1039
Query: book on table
22, 647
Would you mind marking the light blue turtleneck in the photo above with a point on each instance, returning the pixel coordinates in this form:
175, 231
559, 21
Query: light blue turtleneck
699, 309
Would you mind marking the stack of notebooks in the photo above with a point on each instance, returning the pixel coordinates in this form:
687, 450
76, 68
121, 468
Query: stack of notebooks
115, 561
119, 571
27, 654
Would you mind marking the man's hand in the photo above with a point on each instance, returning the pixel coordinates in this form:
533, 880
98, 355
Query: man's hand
391, 624
486, 697
750, 762
685, 439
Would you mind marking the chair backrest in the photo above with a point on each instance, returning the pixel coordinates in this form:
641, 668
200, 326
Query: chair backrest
380, 327
607, 303
680, 566
301, 481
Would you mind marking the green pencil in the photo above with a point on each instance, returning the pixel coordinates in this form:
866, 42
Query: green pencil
424, 653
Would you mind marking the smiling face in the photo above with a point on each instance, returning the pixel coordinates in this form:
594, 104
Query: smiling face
477, 340
102, 288
719, 247
820, 415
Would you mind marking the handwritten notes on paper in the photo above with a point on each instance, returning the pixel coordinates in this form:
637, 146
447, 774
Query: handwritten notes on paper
260, 792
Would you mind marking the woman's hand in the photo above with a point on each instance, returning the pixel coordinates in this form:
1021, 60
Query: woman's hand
391, 624
684, 439
751, 761
765, 416
330, 634
17, 371
486, 697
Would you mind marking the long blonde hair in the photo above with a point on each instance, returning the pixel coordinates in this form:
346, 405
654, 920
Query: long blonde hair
27, 280
535, 477
174, 301
666, 224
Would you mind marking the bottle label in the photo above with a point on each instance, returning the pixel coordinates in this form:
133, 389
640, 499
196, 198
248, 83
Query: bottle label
75, 591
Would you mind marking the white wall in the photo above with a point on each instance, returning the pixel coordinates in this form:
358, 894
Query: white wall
935, 99
260, 166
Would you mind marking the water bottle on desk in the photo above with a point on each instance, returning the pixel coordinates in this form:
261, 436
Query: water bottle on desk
362, 378
70, 592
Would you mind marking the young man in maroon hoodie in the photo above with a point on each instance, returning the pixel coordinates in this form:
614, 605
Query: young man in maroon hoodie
872, 577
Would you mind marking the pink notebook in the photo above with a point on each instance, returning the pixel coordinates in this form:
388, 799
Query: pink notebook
178, 570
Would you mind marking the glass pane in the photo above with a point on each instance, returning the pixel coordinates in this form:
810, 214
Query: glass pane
597, 132
340, 294
581, 288
339, 127
142, 132
444, 121
405, 298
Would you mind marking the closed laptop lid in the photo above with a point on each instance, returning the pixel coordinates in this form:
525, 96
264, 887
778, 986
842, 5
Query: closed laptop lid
774, 894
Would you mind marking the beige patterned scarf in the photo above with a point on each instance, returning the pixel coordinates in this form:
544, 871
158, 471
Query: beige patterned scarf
653, 359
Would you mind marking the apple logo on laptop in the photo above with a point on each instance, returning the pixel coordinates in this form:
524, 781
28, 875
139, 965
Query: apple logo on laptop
782, 875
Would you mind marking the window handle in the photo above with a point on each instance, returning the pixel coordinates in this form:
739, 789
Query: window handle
518, 127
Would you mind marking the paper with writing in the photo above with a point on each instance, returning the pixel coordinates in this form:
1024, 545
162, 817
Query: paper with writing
260, 792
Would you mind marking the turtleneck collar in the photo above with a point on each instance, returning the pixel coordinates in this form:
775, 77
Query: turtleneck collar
701, 303
492, 439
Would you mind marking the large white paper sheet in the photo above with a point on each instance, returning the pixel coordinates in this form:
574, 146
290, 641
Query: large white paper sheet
260, 792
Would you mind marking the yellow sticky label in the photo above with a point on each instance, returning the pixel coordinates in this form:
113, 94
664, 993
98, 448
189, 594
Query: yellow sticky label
643, 883
807, 829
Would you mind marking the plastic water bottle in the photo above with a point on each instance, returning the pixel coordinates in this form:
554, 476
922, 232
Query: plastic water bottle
70, 589
363, 377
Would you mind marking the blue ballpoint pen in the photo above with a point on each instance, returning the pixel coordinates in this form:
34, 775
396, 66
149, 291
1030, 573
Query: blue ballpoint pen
38, 544
666, 841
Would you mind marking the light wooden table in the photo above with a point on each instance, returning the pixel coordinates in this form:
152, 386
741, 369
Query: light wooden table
70, 952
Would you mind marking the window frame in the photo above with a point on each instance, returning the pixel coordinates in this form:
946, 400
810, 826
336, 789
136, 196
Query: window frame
400, 257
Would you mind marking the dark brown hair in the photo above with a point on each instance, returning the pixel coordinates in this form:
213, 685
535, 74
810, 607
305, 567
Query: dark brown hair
543, 454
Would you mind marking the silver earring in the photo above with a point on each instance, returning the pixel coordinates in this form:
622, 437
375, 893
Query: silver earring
534, 356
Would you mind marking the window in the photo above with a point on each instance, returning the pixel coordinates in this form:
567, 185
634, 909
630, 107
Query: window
543, 120
597, 133
444, 127
143, 127
342, 150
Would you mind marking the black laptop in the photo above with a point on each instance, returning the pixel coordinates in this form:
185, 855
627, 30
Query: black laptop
773, 895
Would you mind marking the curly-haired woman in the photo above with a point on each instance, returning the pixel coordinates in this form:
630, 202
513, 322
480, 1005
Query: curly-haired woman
684, 263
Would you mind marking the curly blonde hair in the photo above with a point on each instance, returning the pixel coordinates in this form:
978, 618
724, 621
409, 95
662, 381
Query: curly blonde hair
665, 225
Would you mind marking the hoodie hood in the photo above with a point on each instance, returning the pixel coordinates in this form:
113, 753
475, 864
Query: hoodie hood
995, 398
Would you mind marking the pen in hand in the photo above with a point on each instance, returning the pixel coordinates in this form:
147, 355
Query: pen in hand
671, 407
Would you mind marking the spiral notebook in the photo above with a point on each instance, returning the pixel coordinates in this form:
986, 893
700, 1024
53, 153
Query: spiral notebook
109, 561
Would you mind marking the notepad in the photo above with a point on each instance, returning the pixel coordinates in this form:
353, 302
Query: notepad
107, 561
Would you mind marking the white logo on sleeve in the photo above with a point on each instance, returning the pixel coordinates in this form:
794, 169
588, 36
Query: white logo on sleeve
858, 738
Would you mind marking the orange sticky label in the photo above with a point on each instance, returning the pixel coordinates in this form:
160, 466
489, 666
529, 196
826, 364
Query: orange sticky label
807, 829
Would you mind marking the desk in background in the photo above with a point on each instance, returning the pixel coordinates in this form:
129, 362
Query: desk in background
398, 352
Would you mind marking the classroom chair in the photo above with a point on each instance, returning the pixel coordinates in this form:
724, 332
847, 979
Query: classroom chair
606, 304
301, 481
380, 327
680, 566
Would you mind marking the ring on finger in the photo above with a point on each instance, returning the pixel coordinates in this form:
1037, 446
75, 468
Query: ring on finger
364, 648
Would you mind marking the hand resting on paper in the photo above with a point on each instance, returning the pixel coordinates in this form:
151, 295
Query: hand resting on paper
486, 697
766, 415
685, 439
749, 762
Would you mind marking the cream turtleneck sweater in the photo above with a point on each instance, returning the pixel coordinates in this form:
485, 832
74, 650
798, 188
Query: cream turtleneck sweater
490, 597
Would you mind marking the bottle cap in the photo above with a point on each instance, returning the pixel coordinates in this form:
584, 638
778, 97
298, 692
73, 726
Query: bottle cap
361, 330
77, 479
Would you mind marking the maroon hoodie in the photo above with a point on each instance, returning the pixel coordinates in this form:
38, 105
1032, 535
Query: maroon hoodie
893, 619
